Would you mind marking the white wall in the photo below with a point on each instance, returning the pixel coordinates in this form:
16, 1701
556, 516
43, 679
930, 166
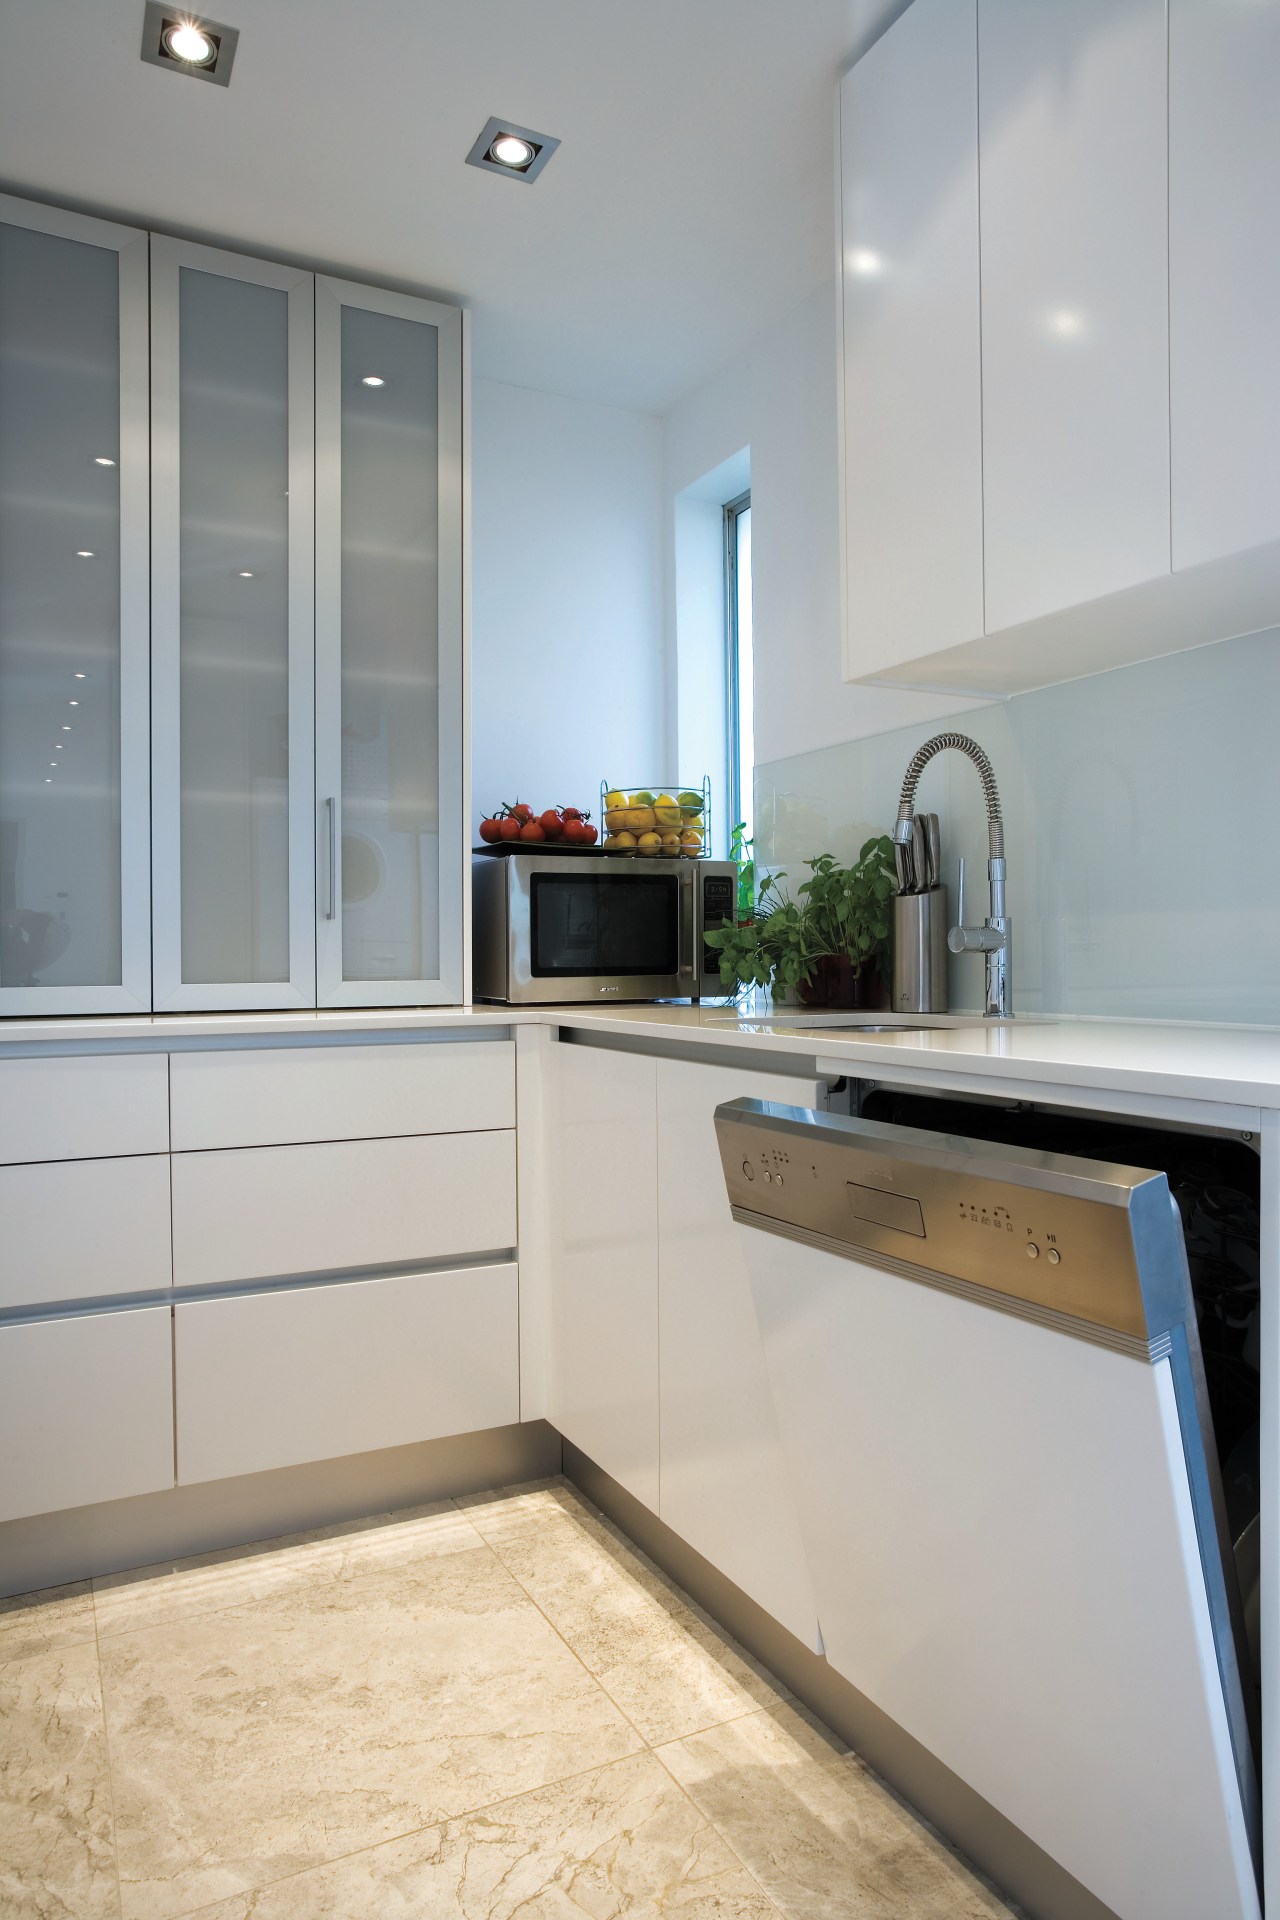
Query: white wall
569, 669
779, 399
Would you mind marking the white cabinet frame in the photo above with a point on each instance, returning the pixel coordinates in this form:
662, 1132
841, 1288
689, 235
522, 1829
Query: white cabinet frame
133, 994
448, 988
168, 257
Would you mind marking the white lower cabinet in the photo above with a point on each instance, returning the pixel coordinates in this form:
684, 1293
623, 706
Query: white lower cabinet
311, 1373
604, 1261
250, 1213
724, 1486
72, 1229
86, 1410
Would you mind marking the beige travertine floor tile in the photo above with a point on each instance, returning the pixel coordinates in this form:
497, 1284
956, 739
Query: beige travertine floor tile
331, 1714
32, 1623
56, 1857
670, 1669
232, 1576
819, 1832
622, 1843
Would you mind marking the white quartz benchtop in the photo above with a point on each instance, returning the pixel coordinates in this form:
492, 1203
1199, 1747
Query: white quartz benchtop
1237, 1066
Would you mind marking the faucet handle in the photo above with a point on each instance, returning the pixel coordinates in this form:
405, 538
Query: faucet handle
962, 939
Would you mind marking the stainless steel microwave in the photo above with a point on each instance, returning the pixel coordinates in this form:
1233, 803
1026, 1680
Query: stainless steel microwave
597, 926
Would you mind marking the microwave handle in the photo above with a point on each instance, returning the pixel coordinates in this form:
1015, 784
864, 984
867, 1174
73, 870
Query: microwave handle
689, 926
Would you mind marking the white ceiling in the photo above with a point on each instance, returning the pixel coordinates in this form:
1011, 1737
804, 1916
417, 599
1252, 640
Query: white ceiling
689, 205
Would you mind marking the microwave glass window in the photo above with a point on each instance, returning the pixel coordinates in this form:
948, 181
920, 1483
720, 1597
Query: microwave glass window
586, 926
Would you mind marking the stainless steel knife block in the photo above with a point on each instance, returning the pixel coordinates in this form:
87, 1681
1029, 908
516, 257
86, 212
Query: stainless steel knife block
920, 951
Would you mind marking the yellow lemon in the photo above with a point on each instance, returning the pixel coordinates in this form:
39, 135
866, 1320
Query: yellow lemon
649, 843
615, 819
640, 819
615, 799
624, 839
642, 799
691, 841
670, 842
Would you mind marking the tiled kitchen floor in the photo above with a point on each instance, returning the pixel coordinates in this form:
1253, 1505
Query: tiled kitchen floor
483, 1709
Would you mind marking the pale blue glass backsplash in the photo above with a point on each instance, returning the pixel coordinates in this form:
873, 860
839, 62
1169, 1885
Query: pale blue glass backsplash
1142, 819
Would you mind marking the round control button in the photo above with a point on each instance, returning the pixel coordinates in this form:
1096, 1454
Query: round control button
1033, 1251
1055, 1258
778, 1178
749, 1170
767, 1174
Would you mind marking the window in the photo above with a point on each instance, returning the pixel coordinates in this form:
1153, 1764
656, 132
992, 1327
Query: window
741, 675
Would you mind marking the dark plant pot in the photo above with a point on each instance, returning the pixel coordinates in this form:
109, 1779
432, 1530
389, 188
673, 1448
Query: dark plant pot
835, 982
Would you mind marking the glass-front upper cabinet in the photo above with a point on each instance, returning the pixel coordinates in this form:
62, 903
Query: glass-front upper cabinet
74, 889
232, 439
389, 701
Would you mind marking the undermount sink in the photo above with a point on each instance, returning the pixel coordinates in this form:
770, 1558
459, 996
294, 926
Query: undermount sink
871, 1022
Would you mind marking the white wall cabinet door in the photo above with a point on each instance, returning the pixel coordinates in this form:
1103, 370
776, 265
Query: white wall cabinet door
1075, 361
910, 349
74, 884
232, 630
313, 1373
604, 1261
1224, 275
86, 1410
389, 648
724, 1486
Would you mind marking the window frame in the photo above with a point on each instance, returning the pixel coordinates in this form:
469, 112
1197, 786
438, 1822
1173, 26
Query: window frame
734, 811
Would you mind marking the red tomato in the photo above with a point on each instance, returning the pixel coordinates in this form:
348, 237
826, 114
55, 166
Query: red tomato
589, 833
521, 814
491, 830
532, 830
551, 823
509, 828
575, 832
570, 813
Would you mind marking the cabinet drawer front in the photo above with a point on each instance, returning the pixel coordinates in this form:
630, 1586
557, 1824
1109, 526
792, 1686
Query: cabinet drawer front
73, 1229
84, 1108
86, 1410
284, 1094
249, 1214
313, 1373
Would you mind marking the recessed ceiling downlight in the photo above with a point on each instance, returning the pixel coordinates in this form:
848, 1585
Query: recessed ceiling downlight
510, 152
373, 380
188, 43
519, 152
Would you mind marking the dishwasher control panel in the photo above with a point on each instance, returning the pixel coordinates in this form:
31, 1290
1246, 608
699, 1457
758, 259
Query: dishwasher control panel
1049, 1230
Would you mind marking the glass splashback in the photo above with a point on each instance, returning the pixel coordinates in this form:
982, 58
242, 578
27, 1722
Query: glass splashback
60, 836
390, 815
233, 400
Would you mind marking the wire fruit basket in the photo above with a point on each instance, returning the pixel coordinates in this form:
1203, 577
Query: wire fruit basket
666, 817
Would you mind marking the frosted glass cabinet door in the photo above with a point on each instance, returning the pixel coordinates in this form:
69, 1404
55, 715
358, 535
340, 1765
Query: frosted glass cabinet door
233, 632
389, 721
74, 907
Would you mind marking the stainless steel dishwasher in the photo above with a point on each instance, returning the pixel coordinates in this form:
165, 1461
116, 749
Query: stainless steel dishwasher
987, 1376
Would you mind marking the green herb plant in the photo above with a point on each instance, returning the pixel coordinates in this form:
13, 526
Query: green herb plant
837, 910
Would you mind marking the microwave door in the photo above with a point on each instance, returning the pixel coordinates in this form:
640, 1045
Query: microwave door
581, 931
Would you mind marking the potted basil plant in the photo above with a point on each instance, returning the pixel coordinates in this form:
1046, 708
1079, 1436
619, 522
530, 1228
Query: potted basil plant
828, 946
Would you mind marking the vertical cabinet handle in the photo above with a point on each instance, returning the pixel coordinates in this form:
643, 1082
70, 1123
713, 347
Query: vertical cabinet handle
331, 898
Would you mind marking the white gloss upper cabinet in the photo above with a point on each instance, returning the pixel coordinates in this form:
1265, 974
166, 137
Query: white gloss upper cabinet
74, 899
1075, 364
232, 630
1224, 275
389, 648
910, 349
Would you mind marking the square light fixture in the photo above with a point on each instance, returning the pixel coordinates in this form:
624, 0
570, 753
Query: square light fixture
503, 147
189, 43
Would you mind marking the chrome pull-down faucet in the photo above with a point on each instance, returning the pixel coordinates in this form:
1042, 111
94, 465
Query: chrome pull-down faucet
994, 937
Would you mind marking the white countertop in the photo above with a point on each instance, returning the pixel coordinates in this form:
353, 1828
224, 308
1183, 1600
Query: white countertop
1234, 1066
